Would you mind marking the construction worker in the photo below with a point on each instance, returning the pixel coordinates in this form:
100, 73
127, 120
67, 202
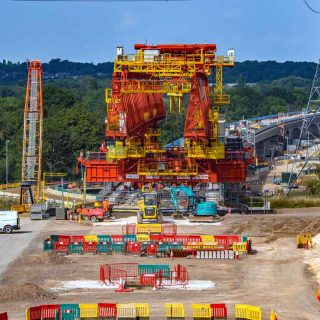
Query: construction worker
105, 205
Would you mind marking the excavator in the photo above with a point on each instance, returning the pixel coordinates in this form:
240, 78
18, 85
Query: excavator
198, 208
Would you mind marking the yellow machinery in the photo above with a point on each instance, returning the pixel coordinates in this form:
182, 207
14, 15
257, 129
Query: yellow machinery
149, 208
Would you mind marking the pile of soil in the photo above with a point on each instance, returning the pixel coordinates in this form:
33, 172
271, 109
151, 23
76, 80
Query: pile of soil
24, 292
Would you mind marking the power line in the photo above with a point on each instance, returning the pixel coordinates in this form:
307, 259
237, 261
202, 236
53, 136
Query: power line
308, 5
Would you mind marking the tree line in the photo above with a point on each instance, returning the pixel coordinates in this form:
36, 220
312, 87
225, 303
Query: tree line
74, 116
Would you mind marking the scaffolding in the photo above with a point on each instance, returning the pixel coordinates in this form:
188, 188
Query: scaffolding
32, 131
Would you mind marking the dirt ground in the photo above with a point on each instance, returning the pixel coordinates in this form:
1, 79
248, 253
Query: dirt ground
278, 276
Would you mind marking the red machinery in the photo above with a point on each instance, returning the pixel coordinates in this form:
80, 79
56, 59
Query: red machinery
135, 105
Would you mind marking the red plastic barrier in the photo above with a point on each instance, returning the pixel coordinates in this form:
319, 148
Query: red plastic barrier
50, 311
64, 239
156, 237
3, 316
110, 273
77, 239
152, 249
168, 238
133, 247
107, 310
35, 313
227, 241
219, 310
148, 280
60, 247
194, 238
90, 247
117, 238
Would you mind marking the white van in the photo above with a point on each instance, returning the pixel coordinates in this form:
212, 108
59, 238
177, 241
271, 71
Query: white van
9, 220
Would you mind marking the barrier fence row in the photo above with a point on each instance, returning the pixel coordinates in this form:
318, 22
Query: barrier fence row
178, 245
113, 311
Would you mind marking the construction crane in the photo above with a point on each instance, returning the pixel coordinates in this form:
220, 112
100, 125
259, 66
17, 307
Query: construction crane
32, 136
135, 106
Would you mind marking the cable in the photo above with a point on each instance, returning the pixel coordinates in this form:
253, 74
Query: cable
308, 5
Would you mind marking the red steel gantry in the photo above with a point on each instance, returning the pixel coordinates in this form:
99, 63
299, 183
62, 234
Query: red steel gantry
135, 105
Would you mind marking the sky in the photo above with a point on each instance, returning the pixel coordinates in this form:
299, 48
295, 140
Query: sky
90, 31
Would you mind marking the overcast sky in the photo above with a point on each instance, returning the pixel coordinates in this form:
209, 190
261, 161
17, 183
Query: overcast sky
90, 31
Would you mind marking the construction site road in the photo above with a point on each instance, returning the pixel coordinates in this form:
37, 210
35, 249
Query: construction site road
12, 245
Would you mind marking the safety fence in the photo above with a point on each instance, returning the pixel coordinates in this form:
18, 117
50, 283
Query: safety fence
114, 311
3, 316
150, 228
155, 275
304, 241
159, 245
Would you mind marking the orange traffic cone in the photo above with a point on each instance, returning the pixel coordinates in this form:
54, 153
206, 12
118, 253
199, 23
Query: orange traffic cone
307, 244
237, 255
318, 295
122, 288
171, 254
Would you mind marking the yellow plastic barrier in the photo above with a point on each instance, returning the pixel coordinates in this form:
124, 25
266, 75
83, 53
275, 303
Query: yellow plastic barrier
149, 228
88, 310
241, 311
245, 311
241, 247
28, 314
207, 239
302, 240
273, 315
201, 311
91, 238
142, 310
175, 310
254, 313
126, 310
143, 237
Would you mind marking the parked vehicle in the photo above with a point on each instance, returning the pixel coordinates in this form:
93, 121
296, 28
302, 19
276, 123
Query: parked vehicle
9, 221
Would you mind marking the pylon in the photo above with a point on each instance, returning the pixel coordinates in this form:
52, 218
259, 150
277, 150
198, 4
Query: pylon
171, 255
122, 288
